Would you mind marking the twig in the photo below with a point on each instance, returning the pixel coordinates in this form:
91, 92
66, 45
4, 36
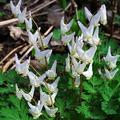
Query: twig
10, 53
39, 7
113, 36
49, 29
24, 49
7, 22
30, 49
68, 7
8, 64
76, 8
114, 11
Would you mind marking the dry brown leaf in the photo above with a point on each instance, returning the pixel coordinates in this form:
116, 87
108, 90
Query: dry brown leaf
15, 32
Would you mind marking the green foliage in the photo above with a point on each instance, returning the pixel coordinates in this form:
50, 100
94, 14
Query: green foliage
63, 3
117, 19
14, 110
56, 34
3, 1
21, 25
2, 14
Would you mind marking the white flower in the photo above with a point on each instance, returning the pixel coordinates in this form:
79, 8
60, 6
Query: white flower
110, 74
67, 66
29, 96
65, 27
67, 38
33, 38
100, 16
35, 80
22, 15
18, 92
111, 60
86, 56
74, 73
87, 32
79, 68
51, 111
15, 9
44, 40
53, 86
51, 74
72, 48
79, 41
28, 22
89, 73
95, 38
41, 55
77, 81
22, 68
46, 99
35, 110
88, 14
103, 18
95, 19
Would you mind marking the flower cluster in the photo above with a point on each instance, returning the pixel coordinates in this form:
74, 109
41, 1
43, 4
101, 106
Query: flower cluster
40, 44
111, 61
47, 99
80, 57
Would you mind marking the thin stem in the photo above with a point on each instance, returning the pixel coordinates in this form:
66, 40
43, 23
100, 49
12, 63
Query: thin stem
34, 69
114, 11
50, 95
76, 9
42, 47
81, 90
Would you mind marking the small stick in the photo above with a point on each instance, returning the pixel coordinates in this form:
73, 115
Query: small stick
48, 31
113, 36
114, 11
30, 49
39, 7
10, 53
76, 8
7, 22
8, 64
24, 49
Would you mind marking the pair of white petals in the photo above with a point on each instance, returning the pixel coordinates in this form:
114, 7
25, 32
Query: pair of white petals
36, 39
36, 111
35, 80
111, 60
53, 86
65, 27
67, 38
42, 56
79, 68
51, 73
17, 12
47, 100
27, 96
86, 56
22, 68
87, 32
100, 16
89, 35
108, 74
